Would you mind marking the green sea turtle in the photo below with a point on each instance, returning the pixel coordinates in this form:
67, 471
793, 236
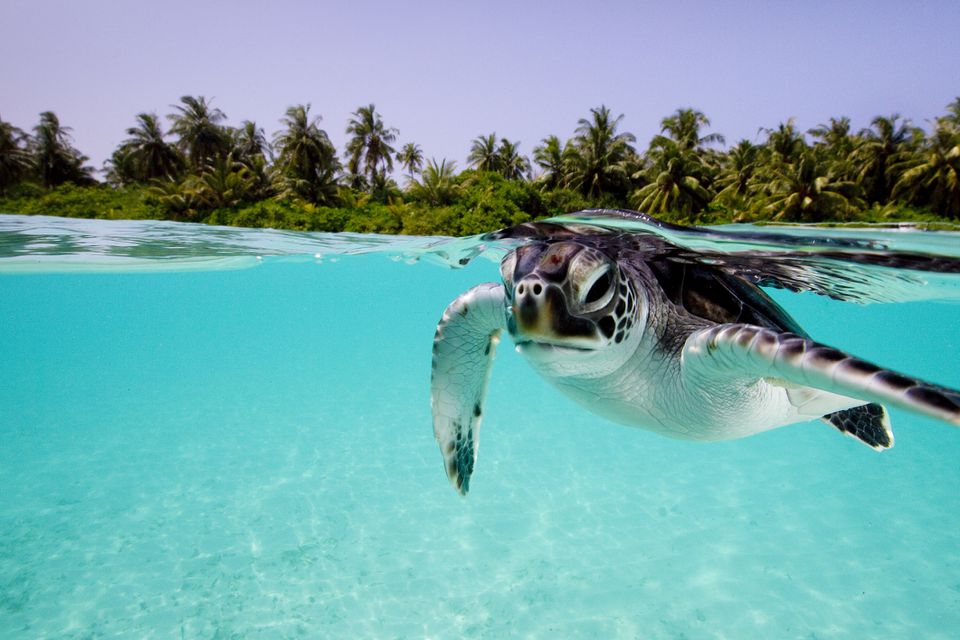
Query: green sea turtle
682, 342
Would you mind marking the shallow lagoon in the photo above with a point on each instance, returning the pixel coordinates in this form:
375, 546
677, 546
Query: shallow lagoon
249, 453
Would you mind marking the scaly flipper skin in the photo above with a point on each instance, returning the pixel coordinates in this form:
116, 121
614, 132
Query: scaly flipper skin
463, 351
741, 350
868, 423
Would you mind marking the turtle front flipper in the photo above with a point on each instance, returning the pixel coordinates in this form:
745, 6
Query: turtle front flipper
748, 351
463, 351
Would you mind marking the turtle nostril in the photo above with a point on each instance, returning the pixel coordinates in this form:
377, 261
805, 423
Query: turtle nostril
520, 290
537, 289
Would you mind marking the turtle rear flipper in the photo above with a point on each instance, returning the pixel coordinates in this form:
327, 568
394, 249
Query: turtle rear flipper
463, 351
868, 423
748, 351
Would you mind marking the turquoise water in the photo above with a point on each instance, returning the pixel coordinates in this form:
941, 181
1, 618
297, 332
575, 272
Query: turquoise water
190, 450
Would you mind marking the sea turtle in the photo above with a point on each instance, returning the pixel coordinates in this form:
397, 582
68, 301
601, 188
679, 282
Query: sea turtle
651, 334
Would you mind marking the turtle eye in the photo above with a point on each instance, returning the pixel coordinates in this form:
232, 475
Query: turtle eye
599, 288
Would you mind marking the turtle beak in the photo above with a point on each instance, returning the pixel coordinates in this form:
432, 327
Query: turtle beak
532, 306
541, 315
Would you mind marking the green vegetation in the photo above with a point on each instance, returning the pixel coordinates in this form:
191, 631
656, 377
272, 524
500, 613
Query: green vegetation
202, 170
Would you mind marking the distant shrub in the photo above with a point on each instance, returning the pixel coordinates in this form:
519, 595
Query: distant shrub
72, 201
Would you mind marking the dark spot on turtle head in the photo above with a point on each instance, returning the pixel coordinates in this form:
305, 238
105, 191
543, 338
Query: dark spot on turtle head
486, 349
607, 326
621, 307
464, 311
476, 410
619, 337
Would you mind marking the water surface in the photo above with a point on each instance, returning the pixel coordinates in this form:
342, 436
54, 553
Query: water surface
226, 433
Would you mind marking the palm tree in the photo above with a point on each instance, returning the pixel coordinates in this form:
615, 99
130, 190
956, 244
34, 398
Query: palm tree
684, 127
835, 136
15, 161
307, 162
250, 145
953, 112
804, 191
882, 148
119, 169
410, 158
484, 155
436, 186
201, 137
513, 166
737, 173
369, 151
835, 142
600, 156
145, 154
784, 144
933, 177
251, 149
55, 158
552, 158
677, 179
223, 183
178, 198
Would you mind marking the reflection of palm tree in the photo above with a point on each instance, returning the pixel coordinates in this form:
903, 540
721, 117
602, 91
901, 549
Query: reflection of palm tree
599, 164
410, 158
933, 176
56, 159
200, 135
15, 161
484, 155
369, 151
436, 186
306, 159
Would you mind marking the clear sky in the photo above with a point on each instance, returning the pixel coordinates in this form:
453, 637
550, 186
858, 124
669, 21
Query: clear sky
444, 72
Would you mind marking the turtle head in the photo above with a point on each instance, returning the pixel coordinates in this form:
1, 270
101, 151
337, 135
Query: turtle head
571, 307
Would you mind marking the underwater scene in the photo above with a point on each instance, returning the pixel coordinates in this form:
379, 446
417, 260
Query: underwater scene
226, 433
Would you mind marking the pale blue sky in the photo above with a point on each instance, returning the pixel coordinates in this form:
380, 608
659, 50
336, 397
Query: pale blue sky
445, 72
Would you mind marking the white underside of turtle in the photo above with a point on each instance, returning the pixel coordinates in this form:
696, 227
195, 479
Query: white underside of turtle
633, 329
